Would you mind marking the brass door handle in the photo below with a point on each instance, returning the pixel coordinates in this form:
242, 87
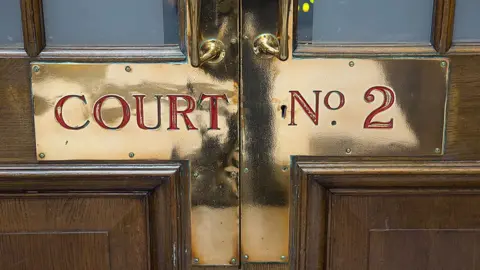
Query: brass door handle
272, 45
211, 50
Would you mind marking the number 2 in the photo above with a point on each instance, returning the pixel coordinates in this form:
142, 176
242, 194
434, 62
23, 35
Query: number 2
388, 100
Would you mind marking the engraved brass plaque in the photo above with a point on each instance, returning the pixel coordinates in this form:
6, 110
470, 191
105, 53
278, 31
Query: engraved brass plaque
328, 107
150, 111
359, 107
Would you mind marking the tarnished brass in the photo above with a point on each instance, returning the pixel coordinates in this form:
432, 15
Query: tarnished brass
269, 44
284, 7
212, 150
212, 50
194, 18
409, 120
266, 44
213, 153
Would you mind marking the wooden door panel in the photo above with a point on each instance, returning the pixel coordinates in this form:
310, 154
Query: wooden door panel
423, 249
386, 215
86, 231
100, 216
53, 250
396, 231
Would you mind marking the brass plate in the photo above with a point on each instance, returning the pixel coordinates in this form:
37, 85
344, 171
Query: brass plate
100, 99
366, 107
328, 107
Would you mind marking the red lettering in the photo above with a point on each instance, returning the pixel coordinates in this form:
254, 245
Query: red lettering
388, 101
140, 113
326, 101
213, 108
59, 112
174, 111
97, 112
296, 96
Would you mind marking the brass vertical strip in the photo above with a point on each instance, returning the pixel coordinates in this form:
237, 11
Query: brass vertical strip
443, 25
33, 27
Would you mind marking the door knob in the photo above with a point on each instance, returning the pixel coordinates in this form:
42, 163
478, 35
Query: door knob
266, 44
212, 50
272, 45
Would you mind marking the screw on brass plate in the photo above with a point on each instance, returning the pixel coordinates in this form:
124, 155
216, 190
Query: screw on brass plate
334, 123
351, 64
285, 168
233, 261
41, 155
36, 68
443, 64
245, 170
245, 256
196, 260
128, 69
196, 174
438, 151
348, 151
283, 257
131, 154
233, 41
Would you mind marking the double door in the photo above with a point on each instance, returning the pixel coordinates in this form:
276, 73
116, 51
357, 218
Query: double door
279, 134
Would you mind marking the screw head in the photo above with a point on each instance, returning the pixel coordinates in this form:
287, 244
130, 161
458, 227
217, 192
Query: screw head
443, 64
285, 168
283, 257
233, 261
348, 151
351, 63
196, 174
438, 150
196, 260
233, 41
41, 155
128, 69
245, 256
245, 170
36, 68
131, 154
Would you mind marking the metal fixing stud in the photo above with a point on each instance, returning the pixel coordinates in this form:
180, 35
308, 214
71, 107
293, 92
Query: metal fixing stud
196, 174
443, 64
131, 154
283, 257
36, 68
285, 168
438, 150
233, 261
245, 170
196, 260
41, 155
348, 150
128, 69
245, 257
351, 64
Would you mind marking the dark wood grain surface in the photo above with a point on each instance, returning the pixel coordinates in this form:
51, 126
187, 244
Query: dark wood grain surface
73, 232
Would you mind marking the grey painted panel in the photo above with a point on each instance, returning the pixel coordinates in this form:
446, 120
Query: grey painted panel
370, 21
467, 21
11, 24
110, 22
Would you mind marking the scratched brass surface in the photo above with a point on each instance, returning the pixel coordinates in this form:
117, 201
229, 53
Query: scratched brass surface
416, 108
213, 154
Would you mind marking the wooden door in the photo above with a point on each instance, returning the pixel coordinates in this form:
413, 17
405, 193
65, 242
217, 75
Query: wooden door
389, 186
346, 134
64, 207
